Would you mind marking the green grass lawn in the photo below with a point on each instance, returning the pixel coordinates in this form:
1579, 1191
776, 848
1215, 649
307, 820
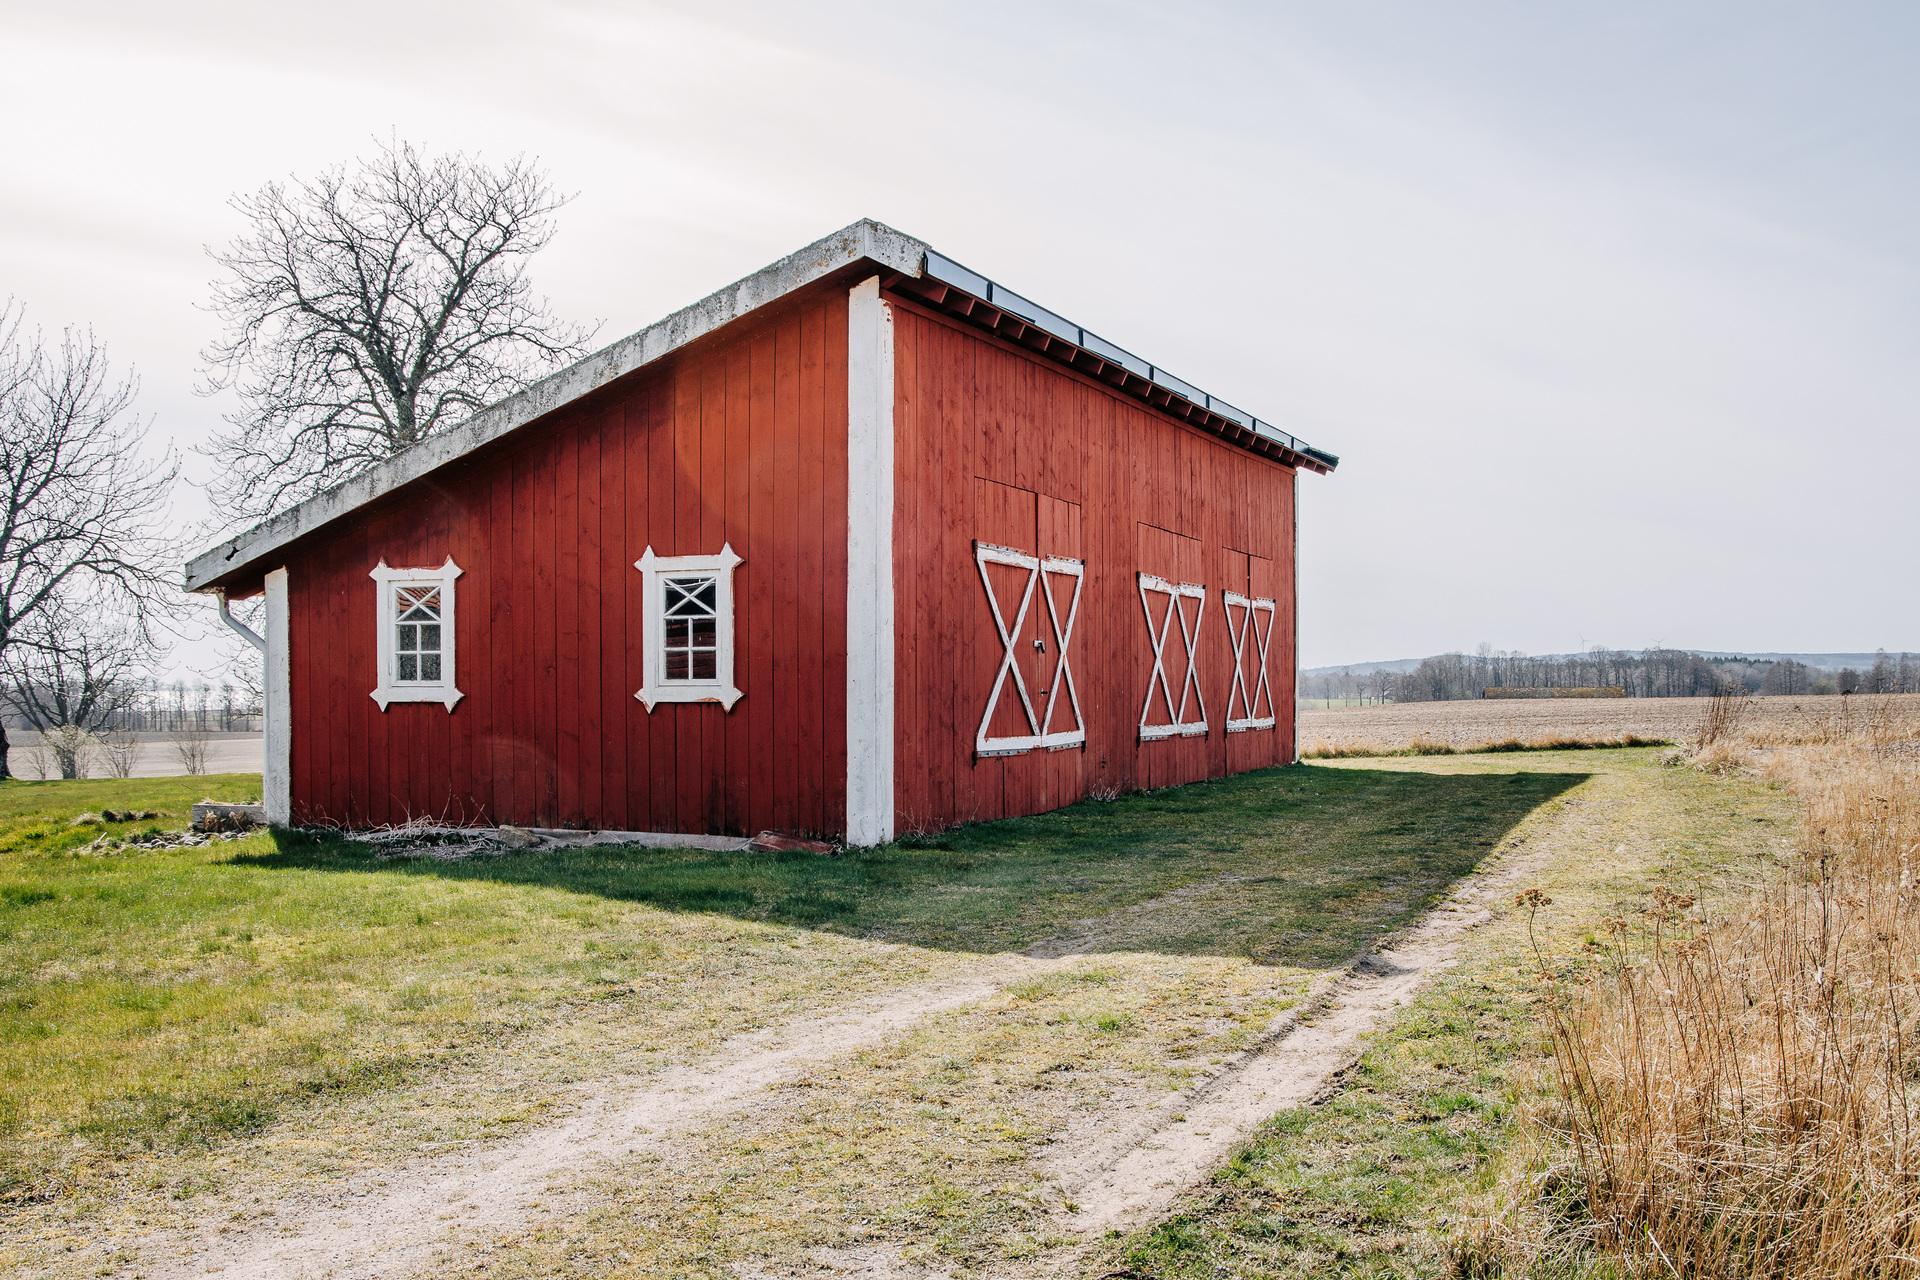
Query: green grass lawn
158, 1005
183, 1028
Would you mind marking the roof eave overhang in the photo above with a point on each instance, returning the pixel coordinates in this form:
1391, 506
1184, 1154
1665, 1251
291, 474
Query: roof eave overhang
967, 295
864, 244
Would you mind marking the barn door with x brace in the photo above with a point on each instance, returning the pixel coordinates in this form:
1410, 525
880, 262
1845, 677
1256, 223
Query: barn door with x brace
1174, 706
1250, 632
1023, 589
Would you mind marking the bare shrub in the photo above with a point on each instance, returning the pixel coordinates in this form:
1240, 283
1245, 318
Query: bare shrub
119, 750
190, 747
1739, 1092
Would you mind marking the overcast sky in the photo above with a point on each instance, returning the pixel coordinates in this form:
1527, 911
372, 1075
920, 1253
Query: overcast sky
1610, 310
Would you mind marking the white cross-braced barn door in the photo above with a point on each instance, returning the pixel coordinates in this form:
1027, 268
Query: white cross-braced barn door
1174, 612
1250, 631
1056, 722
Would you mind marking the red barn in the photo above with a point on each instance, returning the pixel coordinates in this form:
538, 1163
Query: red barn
864, 543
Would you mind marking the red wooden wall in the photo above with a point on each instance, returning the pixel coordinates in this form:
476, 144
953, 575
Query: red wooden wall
741, 439
998, 444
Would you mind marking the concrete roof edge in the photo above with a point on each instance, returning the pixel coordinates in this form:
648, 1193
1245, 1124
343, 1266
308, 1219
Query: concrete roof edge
865, 240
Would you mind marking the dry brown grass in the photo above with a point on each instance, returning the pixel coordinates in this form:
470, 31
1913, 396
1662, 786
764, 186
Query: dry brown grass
1740, 1092
1478, 724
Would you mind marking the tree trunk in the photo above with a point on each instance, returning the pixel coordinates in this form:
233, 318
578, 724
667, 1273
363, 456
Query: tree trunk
5, 746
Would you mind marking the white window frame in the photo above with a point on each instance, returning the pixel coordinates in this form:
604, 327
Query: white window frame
656, 688
1251, 607
1158, 632
1039, 571
390, 688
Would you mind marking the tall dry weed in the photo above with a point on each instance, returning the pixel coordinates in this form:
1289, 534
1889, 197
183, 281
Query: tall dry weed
1741, 1093
1724, 712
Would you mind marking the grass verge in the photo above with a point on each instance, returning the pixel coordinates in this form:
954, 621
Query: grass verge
1412, 1166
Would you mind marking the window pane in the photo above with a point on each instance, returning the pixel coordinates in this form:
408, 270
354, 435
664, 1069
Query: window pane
419, 604
430, 638
430, 666
409, 667
676, 664
703, 631
409, 637
705, 664
677, 631
689, 596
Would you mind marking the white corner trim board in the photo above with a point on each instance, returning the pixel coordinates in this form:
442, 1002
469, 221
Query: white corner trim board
391, 687
870, 652
683, 591
276, 790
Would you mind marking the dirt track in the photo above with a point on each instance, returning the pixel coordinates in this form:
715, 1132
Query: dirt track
397, 1222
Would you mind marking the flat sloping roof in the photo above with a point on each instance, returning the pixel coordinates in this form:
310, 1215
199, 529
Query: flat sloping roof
936, 278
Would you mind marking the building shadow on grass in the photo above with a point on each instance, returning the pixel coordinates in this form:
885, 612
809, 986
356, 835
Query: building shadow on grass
1297, 866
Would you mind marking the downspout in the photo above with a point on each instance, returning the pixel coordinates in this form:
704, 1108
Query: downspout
240, 628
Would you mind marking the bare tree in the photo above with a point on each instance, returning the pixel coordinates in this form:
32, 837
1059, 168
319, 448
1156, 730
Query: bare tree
372, 306
72, 672
82, 508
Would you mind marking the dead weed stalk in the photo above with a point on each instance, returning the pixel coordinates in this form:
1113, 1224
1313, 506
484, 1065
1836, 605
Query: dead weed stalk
1741, 1093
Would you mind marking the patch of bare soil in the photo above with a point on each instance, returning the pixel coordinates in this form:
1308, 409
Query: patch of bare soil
395, 1224
867, 1261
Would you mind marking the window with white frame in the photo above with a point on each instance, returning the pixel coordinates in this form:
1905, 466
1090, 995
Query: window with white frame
687, 608
415, 641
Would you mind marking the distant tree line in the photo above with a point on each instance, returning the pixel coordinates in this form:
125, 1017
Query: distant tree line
86, 712
136, 706
1643, 673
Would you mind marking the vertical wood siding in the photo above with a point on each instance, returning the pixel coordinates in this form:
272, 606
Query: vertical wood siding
742, 440
1001, 445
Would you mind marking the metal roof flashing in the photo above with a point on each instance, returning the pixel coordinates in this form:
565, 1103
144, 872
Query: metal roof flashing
910, 261
946, 272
